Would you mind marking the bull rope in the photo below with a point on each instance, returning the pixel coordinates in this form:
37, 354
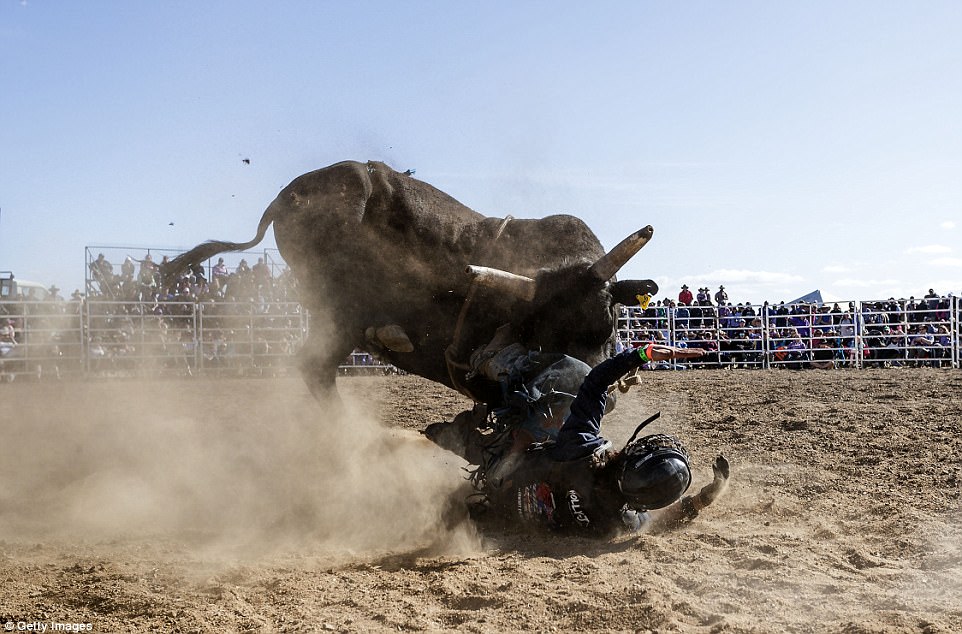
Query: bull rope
456, 339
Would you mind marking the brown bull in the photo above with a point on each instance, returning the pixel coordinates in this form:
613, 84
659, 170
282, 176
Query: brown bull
394, 266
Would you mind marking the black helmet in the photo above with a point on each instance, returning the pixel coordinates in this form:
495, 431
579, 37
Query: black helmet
655, 472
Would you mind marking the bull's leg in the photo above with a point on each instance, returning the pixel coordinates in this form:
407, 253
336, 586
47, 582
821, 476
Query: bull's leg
319, 359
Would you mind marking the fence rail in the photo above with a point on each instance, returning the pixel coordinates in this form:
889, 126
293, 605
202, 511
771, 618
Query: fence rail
105, 338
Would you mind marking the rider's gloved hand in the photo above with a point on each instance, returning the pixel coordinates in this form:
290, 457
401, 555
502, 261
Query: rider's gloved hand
710, 492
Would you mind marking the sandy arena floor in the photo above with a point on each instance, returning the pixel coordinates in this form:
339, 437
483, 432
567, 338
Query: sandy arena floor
242, 505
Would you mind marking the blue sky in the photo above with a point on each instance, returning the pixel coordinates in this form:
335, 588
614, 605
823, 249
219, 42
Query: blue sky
777, 148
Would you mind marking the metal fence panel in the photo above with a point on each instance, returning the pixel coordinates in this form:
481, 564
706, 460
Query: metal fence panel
48, 339
110, 338
855, 334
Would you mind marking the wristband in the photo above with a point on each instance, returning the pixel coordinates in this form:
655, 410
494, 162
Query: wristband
645, 353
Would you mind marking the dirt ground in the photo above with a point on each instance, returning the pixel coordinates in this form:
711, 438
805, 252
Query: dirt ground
242, 505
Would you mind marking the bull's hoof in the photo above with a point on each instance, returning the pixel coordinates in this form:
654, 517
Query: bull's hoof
394, 338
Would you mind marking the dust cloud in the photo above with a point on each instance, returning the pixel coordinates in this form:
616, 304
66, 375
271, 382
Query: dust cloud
251, 465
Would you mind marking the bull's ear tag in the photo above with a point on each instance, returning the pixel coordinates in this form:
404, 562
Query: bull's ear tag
643, 300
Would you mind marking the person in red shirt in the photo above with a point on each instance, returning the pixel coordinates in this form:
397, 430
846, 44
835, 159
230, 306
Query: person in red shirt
685, 297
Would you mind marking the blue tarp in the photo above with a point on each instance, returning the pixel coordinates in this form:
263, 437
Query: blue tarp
815, 297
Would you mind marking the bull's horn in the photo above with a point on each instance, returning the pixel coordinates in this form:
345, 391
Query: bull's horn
517, 285
609, 264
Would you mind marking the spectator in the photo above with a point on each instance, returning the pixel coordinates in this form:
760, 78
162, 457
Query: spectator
8, 335
788, 346
799, 320
915, 311
219, 269
287, 285
870, 316
883, 345
921, 344
218, 278
942, 310
753, 347
685, 298
943, 345
149, 273
102, 272
8, 346
197, 270
703, 297
262, 276
823, 317
847, 330
696, 312
721, 297
682, 315
894, 311
894, 344
726, 318
781, 315
823, 356
127, 270
706, 341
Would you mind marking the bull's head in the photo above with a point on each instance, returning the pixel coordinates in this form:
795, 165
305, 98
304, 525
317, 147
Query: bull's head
573, 308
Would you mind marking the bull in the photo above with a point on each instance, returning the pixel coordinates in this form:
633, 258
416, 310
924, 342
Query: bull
389, 264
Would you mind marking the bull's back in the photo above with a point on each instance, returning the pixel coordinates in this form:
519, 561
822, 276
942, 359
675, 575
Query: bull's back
526, 246
361, 232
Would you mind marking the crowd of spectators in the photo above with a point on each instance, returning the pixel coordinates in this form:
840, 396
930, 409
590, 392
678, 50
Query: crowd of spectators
914, 332
227, 297
141, 281
132, 319
214, 316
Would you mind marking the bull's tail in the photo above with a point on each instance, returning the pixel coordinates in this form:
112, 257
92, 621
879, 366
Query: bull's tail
211, 248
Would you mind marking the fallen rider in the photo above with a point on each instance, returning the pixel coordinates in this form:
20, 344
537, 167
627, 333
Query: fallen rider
571, 478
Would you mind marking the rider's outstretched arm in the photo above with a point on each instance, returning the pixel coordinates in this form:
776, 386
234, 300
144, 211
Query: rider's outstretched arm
580, 434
